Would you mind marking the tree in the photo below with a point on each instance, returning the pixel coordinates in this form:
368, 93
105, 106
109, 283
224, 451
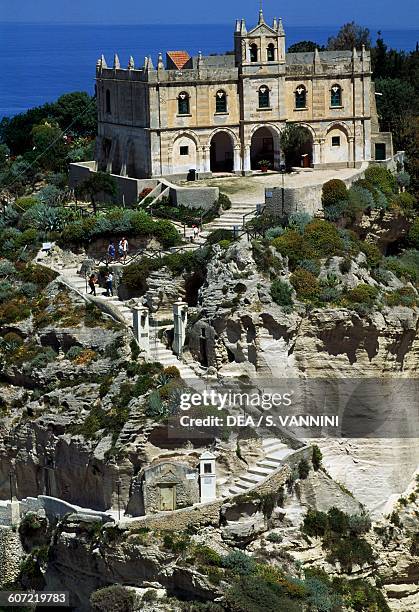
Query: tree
98, 183
396, 107
305, 46
4, 156
292, 139
49, 146
77, 110
349, 36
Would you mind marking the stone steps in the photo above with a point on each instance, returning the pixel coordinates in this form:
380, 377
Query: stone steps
275, 453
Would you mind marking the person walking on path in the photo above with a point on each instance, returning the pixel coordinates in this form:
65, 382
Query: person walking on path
109, 284
92, 284
111, 252
195, 232
123, 248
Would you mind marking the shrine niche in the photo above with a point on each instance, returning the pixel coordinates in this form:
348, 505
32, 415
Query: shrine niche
169, 486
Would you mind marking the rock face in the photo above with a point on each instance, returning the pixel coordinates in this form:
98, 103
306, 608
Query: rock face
239, 330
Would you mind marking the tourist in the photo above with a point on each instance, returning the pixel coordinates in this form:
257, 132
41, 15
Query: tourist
111, 252
92, 283
109, 284
123, 249
195, 232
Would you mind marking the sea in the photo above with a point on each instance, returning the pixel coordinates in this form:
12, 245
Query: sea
41, 62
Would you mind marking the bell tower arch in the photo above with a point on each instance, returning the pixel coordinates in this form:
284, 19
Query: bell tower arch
262, 45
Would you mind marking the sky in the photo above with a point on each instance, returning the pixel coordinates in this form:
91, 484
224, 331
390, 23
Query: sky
376, 13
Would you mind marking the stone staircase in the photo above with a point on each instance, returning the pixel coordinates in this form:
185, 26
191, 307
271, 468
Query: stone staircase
230, 218
158, 352
275, 452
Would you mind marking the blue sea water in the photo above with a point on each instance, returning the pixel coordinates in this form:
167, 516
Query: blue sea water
41, 62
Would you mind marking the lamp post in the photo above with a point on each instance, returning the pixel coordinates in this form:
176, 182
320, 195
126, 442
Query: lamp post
282, 169
11, 485
118, 491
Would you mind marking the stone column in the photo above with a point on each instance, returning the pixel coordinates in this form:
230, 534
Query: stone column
351, 160
237, 168
141, 324
180, 318
206, 159
207, 477
246, 159
316, 153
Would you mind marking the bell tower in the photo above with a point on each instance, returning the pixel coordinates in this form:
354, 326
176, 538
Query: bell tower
263, 45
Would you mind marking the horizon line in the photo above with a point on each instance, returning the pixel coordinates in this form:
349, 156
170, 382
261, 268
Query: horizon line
190, 24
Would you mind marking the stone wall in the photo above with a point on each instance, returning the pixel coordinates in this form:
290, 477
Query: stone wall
200, 197
299, 199
11, 553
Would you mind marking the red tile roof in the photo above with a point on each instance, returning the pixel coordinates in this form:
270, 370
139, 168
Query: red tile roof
179, 58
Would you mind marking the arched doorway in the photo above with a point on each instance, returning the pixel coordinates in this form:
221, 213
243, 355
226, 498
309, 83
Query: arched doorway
222, 152
301, 155
264, 146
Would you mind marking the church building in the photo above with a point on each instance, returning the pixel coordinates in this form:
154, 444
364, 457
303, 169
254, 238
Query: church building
224, 113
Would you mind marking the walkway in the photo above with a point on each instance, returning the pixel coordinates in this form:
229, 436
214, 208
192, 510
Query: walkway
251, 189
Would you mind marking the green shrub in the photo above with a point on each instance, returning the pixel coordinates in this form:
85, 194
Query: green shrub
322, 239
311, 265
305, 284
281, 293
334, 191
381, 178
274, 537
413, 235
334, 212
207, 556
74, 351
315, 523
290, 244
239, 563
7, 268
359, 524
218, 235
372, 253
338, 521
405, 266
274, 232
299, 220
224, 201
362, 294
405, 202
349, 551
115, 598
37, 274
405, 296
251, 594
345, 265
26, 202
303, 469
317, 457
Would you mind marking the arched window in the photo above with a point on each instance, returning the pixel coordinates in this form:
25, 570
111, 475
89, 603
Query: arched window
254, 52
271, 52
221, 102
336, 95
183, 103
301, 97
264, 97
108, 101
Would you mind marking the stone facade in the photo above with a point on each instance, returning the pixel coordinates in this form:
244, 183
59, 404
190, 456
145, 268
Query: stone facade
168, 486
226, 112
